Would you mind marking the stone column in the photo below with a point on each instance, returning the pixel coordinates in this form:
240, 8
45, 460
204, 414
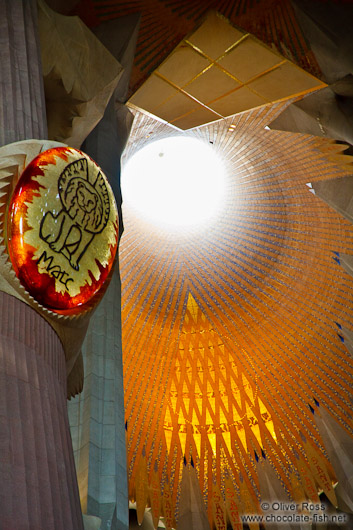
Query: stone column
38, 486
97, 418
22, 104
97, 415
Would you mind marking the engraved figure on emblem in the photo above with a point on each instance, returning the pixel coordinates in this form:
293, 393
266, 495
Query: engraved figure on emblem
84, 214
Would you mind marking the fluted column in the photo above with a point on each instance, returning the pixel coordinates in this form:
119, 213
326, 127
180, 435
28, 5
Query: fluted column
22, 103
97, 415
38, 485
97, 418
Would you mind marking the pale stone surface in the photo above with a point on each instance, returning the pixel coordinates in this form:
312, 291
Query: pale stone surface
91, 523
100, 451
326, 113
97, 418
337, 193
38, 486
328, 29
22, 112
80, 76
120, 37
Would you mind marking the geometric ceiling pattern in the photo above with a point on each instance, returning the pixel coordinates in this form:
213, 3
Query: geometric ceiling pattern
229, 334
164, 24
218, 71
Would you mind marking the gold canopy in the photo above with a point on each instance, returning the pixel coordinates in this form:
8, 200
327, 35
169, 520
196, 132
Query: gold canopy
229, 334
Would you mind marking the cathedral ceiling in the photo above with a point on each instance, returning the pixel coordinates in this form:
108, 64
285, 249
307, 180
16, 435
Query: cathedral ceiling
230, 335
218, 71
164, 24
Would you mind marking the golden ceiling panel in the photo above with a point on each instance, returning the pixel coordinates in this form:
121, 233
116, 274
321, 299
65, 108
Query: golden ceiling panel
157, 91
178, 105
221, 69
238, 101
283, 82
192, 119
213, 37
229, 334
183, 64
250, 58
165, 23
211, 84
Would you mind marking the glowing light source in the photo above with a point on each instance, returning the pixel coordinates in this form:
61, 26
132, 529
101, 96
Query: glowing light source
175, 182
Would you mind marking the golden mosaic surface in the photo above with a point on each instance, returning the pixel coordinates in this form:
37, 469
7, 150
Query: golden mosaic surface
218, 71
230, 334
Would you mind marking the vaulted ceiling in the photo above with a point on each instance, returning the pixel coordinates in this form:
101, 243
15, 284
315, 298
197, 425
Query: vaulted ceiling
231, 333
164, 24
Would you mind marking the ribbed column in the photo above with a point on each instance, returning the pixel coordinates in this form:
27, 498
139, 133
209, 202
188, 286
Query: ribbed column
38, 486
97, 418
22, 103
97, 415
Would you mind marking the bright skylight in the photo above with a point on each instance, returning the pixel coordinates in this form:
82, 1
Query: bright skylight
174, 183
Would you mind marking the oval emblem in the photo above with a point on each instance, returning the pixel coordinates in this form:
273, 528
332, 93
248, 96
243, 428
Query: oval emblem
62, 229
